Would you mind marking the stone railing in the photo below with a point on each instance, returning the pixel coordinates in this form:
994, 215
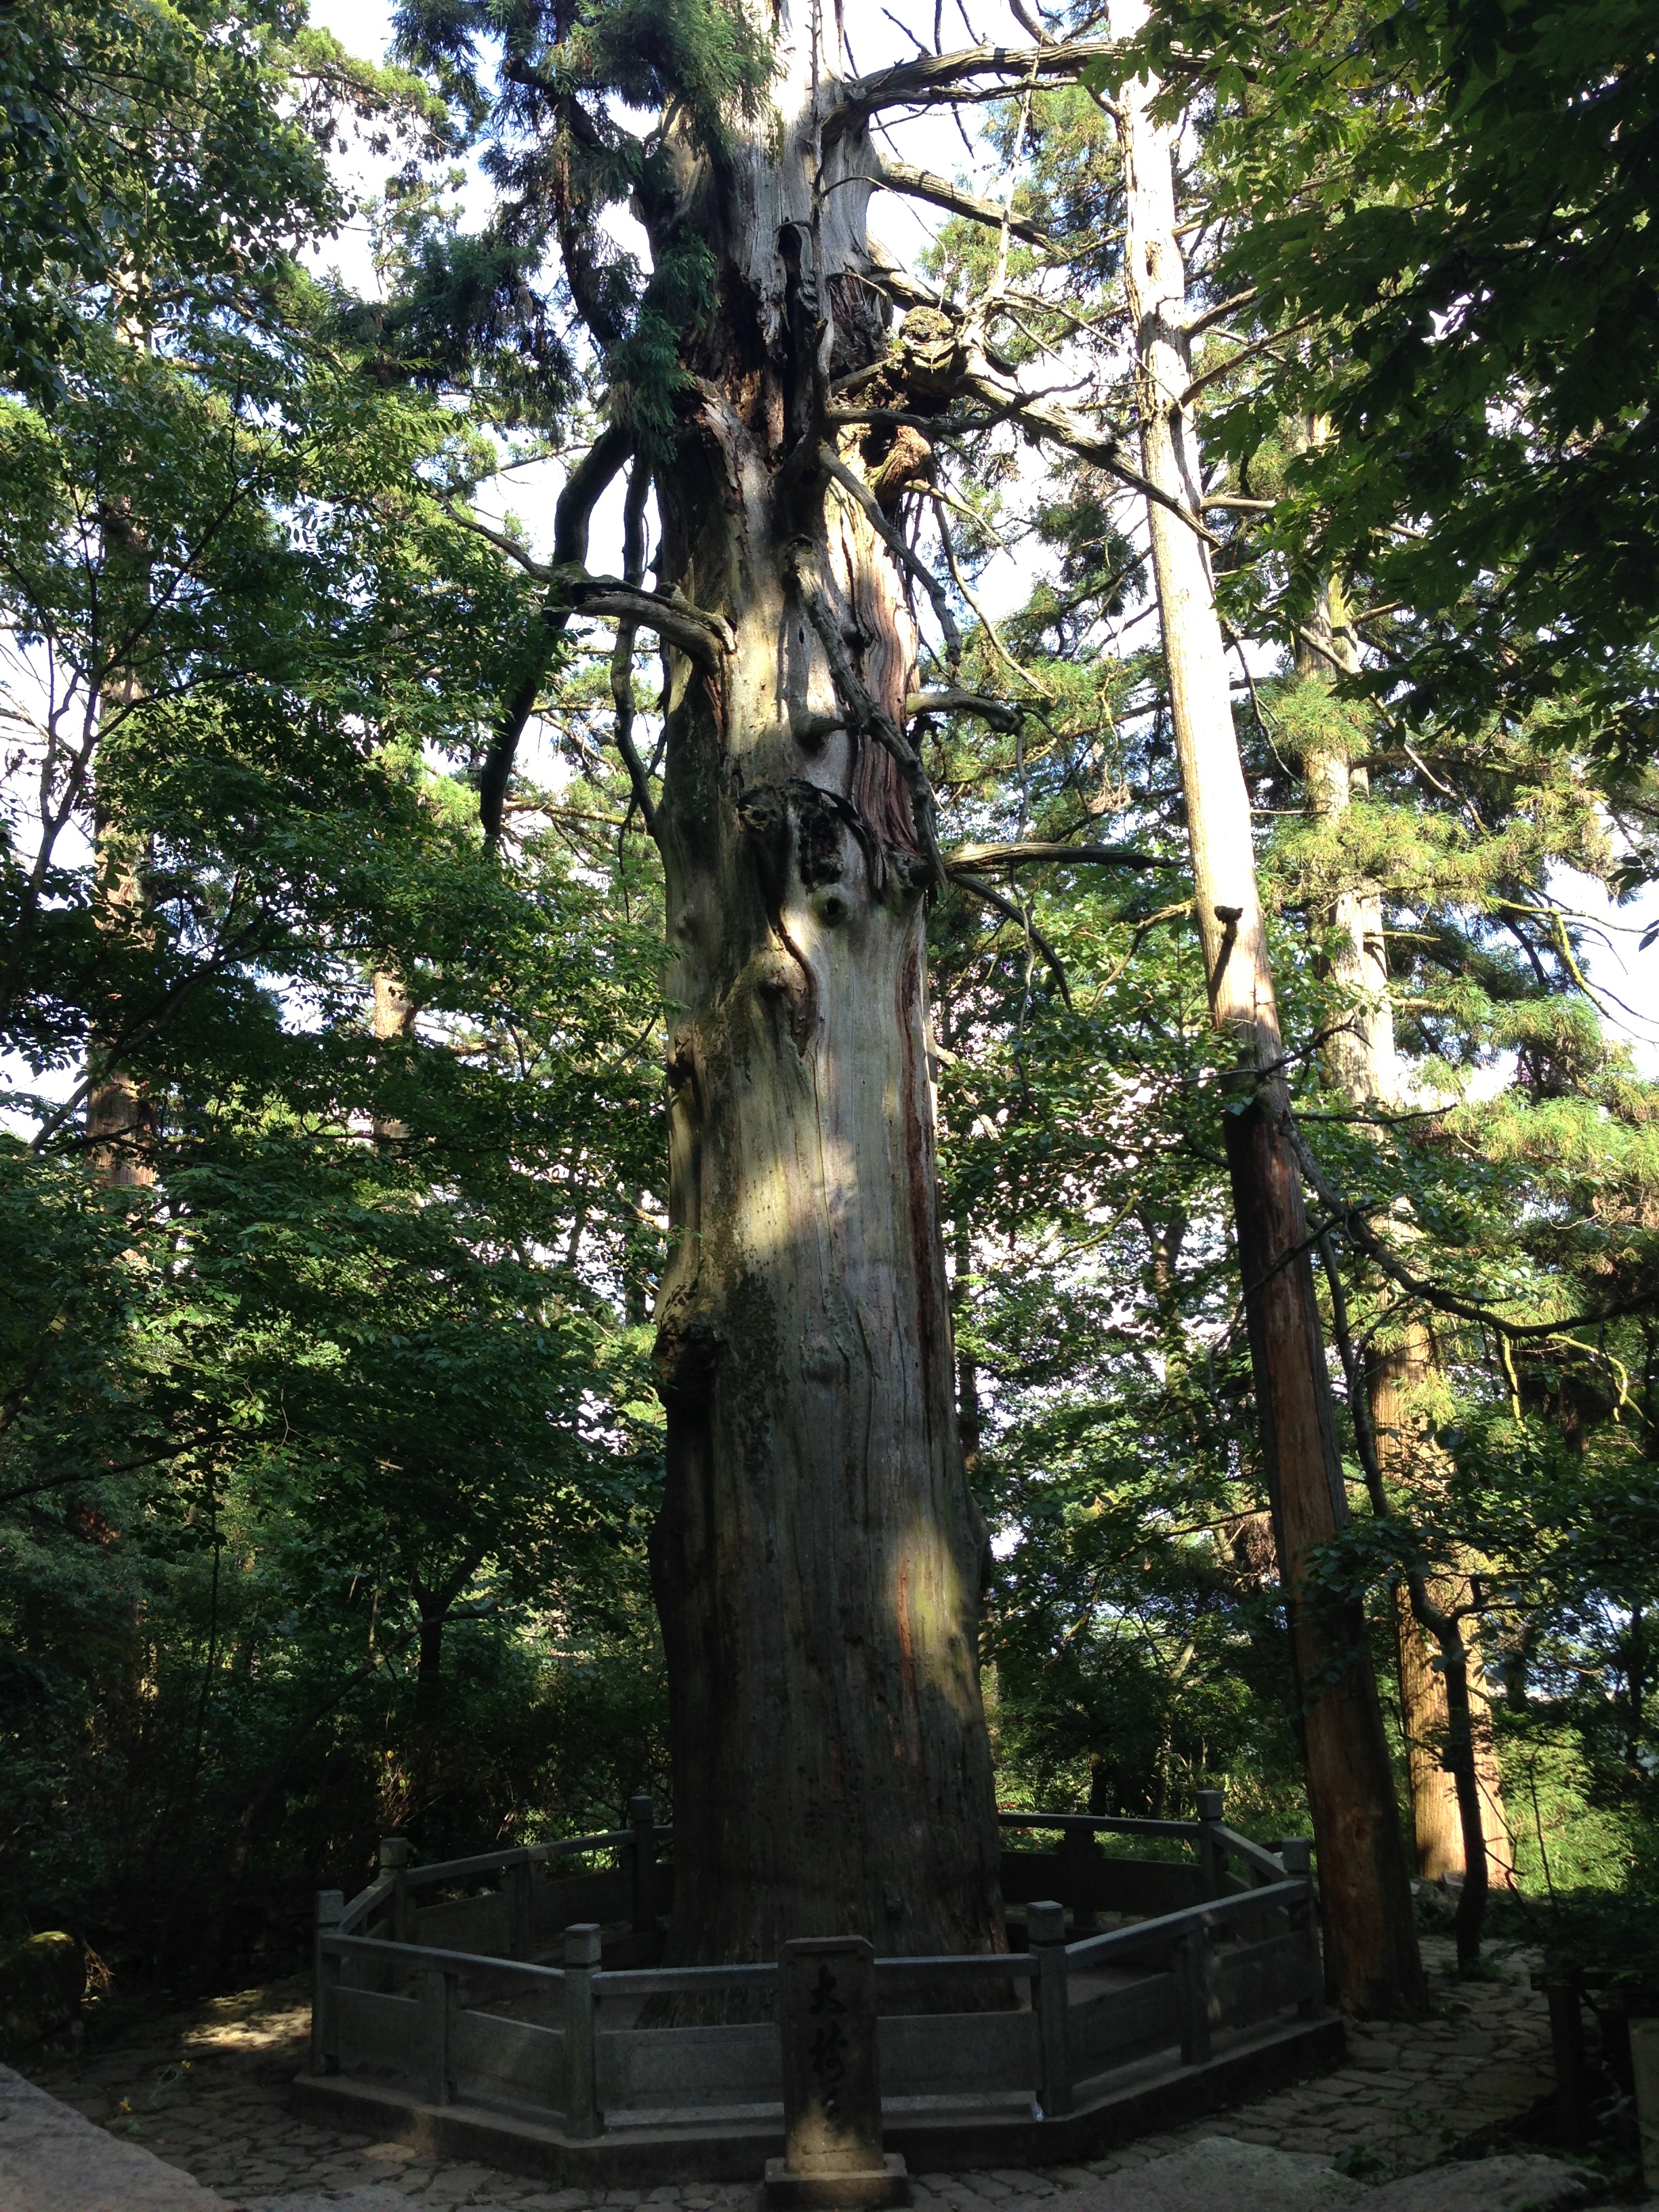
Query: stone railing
457, 2002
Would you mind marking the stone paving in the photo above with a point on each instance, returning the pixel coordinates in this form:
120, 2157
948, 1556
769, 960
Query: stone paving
207, 2090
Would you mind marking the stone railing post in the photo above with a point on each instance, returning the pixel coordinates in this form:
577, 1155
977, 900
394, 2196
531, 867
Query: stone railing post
1193, 1995
1567, 2047
828, 2044
583, 2120
325, 1980
1644, 2077
518, 1888
437, 1989
394, 1861
1081, 1858
1045, 1938
1212, 1857
642, 1815
1295, 1855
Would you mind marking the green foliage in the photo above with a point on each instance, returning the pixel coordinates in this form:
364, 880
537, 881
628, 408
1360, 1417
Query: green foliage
326, 1441
706, 56
1598, 1931
1450, 206
645, 372
155, 154
560, 156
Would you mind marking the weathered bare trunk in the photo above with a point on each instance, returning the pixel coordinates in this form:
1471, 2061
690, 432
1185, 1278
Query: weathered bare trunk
816, 1562
1372, 1960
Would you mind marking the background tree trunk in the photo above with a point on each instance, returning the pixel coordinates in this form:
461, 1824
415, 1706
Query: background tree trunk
1397, 1374
393, 1016
120, 1113
1359, 1062
816, 1563
1372, 1959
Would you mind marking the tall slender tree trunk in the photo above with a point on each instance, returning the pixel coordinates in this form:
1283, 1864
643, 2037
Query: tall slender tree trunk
1359, 1060
1373, 1963
392, 1016
969, 1419
816, 1562
120, 1114
1357, 1052
1398, 1374
429, 1668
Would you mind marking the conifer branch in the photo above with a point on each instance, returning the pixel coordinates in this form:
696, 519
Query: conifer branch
979, 379
582, 490
573, 591
702, 637
621, 658
969, 883
999, 713
931, 78
1354, 1222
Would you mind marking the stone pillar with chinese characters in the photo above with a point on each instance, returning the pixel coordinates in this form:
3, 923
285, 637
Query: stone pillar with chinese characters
831, 2091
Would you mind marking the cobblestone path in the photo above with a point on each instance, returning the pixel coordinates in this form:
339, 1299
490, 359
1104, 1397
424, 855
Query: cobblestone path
208, 2091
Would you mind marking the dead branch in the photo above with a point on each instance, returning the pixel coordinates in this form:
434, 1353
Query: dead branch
1019, 856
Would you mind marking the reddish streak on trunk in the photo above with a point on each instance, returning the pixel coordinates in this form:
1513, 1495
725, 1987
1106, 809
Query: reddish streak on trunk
1372, 1954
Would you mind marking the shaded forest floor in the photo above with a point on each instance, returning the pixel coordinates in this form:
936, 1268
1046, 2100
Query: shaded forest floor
207, 2090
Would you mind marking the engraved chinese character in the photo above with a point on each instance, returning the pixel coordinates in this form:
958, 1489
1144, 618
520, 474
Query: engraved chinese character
823, 1998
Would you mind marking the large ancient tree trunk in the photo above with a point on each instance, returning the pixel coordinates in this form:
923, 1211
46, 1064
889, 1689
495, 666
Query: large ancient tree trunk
1372, 1960
816, 1561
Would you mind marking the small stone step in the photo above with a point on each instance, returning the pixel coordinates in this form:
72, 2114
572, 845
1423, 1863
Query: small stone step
378, 2196
1486, 2185
1220, 2174
52, 2160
